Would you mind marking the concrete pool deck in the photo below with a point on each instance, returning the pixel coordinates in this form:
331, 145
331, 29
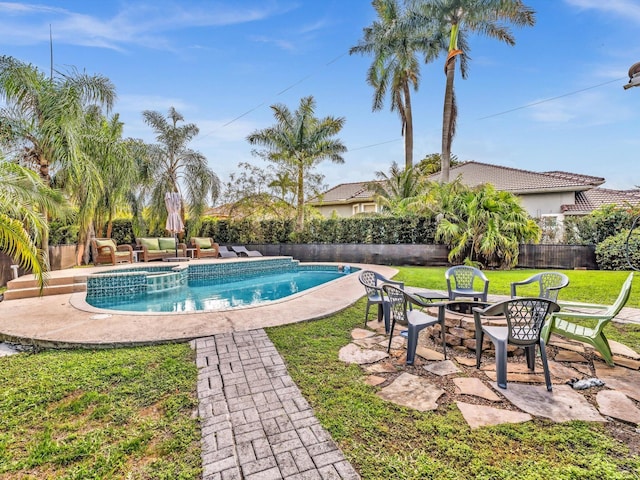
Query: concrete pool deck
66, 320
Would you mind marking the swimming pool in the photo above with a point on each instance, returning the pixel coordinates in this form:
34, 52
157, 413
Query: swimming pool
205, 287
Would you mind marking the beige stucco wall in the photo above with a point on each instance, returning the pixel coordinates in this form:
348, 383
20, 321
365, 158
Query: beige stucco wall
341, 210
347, 210
546, 203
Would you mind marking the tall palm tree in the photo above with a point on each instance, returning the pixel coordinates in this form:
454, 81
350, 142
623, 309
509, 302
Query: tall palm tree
395, 42
43, 120
461, 17
299, 141
177, 168
22, 225
118, 172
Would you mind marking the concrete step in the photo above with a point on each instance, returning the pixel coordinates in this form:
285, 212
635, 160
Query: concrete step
28, 292
30, 282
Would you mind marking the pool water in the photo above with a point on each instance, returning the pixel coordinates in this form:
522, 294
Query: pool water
209, 295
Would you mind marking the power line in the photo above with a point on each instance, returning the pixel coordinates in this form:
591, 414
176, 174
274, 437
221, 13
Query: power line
375, 144
550, 99
303, 79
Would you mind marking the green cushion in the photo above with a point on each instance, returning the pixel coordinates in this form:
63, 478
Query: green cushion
149, 243
108, 242
202, 242
167, 243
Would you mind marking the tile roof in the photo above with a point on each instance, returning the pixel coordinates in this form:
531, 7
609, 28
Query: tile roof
590, 200
343, 193
515, 180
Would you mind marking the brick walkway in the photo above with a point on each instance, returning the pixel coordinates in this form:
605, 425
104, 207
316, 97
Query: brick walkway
256, 425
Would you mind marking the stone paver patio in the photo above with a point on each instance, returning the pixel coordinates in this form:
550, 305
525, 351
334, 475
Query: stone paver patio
481, 401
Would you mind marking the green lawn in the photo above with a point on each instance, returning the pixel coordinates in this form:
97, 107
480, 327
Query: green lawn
103, 414
591, 286
385, 441
128, 413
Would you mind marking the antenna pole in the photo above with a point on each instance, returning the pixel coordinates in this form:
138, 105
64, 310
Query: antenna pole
51, 51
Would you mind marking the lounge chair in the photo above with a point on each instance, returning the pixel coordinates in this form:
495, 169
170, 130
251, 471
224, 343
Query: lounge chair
105, 250
243, 252
204, 247
225, 252
594, 336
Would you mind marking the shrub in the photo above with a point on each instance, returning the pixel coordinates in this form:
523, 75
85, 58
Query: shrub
611, 253
62, 233
600, 224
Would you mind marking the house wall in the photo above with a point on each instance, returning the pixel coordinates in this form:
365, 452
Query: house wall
539, 204
347, 210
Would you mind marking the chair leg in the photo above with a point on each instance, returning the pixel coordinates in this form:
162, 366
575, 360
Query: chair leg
530, 353
386, 314
501, 363
393, 324
412, 342
380, 311
547, 328
479, 339
442, 330
602, 345
545, 365
366, 314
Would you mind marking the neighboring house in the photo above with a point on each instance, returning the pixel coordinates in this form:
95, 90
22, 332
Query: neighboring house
543, 194
345, 200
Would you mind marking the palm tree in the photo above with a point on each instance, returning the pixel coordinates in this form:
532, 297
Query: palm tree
395, 44
484, 225
299, 141
22, 195
43, 120
432, 163
284, 183
397, 190
460, 17
177, 168
118, 172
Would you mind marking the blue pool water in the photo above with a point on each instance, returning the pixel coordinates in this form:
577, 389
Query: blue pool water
214, 294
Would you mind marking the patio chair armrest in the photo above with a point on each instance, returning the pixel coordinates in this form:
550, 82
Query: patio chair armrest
514, 285
125, 248
570, 305
564, 315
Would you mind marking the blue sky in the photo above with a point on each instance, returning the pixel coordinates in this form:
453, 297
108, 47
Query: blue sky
554, 101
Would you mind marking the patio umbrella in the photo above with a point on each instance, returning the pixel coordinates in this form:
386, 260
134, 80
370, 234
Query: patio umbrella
174, 224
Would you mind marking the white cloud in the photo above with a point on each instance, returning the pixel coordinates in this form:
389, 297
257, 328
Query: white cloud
629, 9
584, 109
139, 23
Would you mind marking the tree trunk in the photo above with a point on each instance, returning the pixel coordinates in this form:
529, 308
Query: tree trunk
408, 131
447, 122
300, 202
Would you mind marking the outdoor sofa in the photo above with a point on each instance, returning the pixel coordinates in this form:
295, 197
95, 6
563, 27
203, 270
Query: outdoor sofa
150, 248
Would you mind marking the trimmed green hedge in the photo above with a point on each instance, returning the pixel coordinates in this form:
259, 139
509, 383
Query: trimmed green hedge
376, 230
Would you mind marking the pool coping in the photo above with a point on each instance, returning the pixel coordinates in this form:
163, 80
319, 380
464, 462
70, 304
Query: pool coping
54, 322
